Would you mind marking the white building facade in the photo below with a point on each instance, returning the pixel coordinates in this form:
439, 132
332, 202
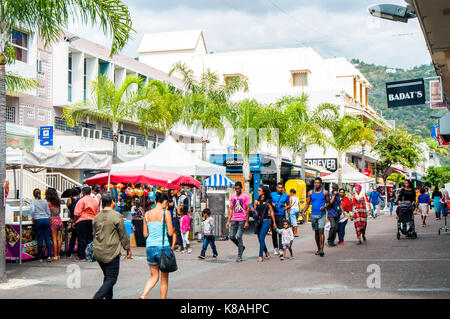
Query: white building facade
272, 74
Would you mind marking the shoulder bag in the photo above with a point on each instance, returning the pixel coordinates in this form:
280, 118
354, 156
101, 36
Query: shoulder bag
167, 263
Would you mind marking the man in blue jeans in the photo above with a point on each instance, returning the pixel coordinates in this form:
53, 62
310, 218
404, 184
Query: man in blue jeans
333, 215
319, 199
374, 199
281, 206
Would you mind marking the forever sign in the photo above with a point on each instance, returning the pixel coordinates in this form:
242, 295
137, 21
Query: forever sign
403, 93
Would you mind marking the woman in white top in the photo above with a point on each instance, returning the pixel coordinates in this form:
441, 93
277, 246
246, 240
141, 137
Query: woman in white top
294, 211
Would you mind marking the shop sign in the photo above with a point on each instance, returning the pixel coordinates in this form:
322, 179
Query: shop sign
234, 163
403, 93
46, 135
328, 163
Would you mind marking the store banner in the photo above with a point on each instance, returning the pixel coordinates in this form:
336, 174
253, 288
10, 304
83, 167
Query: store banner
404, 93
435, 131
328, 163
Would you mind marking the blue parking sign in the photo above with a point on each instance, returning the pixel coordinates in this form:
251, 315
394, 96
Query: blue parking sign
46, 135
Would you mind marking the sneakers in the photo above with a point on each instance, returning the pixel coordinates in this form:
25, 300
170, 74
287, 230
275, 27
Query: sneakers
184, 251
238, 259
201, 257
276, 251
189, 251
332, 245
281, 258
341, 243
214, 256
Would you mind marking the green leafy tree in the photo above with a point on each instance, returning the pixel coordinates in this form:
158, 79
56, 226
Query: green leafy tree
346, 132
49, 18
435, 148
206, 99
396, 147
437, 176
396, 178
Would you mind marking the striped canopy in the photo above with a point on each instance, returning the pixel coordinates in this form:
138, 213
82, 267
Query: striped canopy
218, 180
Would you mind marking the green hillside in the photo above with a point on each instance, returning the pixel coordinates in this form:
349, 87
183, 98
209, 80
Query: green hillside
416, 119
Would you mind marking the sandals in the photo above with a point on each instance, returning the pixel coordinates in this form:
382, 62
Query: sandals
49, 259
260, 259
267, 255
142, 297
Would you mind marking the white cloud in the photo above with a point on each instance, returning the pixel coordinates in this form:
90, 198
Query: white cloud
332, 33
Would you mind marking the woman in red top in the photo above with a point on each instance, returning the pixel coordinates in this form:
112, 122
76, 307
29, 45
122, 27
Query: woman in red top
347, 208
56, 224
360, 216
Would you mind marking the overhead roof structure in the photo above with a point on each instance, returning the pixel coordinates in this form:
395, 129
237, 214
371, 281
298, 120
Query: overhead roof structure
434, 19
171, 41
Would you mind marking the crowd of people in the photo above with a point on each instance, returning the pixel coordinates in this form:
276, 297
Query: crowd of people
97, 218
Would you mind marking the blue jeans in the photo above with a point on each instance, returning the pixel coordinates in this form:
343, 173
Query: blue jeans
391, 207
209, 240
341, 231
265, 226
374, 209
42, 228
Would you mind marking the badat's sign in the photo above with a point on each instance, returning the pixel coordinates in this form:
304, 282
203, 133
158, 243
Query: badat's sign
404, 93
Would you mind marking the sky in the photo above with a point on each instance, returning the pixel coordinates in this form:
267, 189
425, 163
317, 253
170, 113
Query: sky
334, 28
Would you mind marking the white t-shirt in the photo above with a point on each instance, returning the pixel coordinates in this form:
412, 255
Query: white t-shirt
294, 202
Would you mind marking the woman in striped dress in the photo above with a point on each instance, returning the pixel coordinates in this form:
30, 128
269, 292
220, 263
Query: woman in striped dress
360, 214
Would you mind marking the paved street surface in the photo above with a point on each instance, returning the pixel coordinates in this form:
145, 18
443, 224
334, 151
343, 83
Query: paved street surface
409, 269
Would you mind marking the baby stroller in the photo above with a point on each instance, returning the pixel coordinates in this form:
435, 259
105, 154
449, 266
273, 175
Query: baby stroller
405, 220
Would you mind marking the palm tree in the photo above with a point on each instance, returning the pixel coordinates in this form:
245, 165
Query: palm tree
129, 102
304, 126
346, 132
15, 83
207, 99
245, 118
112, 16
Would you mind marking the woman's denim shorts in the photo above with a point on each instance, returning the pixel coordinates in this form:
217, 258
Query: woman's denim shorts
154, 254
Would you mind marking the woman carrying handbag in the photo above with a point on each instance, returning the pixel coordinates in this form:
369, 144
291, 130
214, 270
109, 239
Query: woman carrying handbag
160, 256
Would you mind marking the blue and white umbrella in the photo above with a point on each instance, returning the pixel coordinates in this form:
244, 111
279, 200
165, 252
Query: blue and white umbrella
218, 180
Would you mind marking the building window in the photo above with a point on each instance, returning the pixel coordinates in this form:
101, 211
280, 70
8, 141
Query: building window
30, 115
107, 133
84, 81
19, 41
300, 78
11, 114
41, 117
69, 96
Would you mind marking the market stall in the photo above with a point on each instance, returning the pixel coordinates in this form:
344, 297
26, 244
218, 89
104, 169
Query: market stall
216, 199
160, 179
20, 235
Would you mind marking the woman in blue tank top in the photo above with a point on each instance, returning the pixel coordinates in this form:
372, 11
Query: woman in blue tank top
157, 242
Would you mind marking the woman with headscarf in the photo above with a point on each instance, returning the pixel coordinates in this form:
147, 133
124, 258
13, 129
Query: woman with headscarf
360, 215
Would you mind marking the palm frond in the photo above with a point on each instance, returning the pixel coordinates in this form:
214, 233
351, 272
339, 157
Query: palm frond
16, 83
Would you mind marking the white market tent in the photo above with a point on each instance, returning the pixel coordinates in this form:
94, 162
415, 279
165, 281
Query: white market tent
349, 175
171, 157
43, 158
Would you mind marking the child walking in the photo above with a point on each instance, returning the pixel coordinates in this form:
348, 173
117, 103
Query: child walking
287, 237
185, 227
208, 234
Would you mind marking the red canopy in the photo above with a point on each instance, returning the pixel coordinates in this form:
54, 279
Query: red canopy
161, 179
